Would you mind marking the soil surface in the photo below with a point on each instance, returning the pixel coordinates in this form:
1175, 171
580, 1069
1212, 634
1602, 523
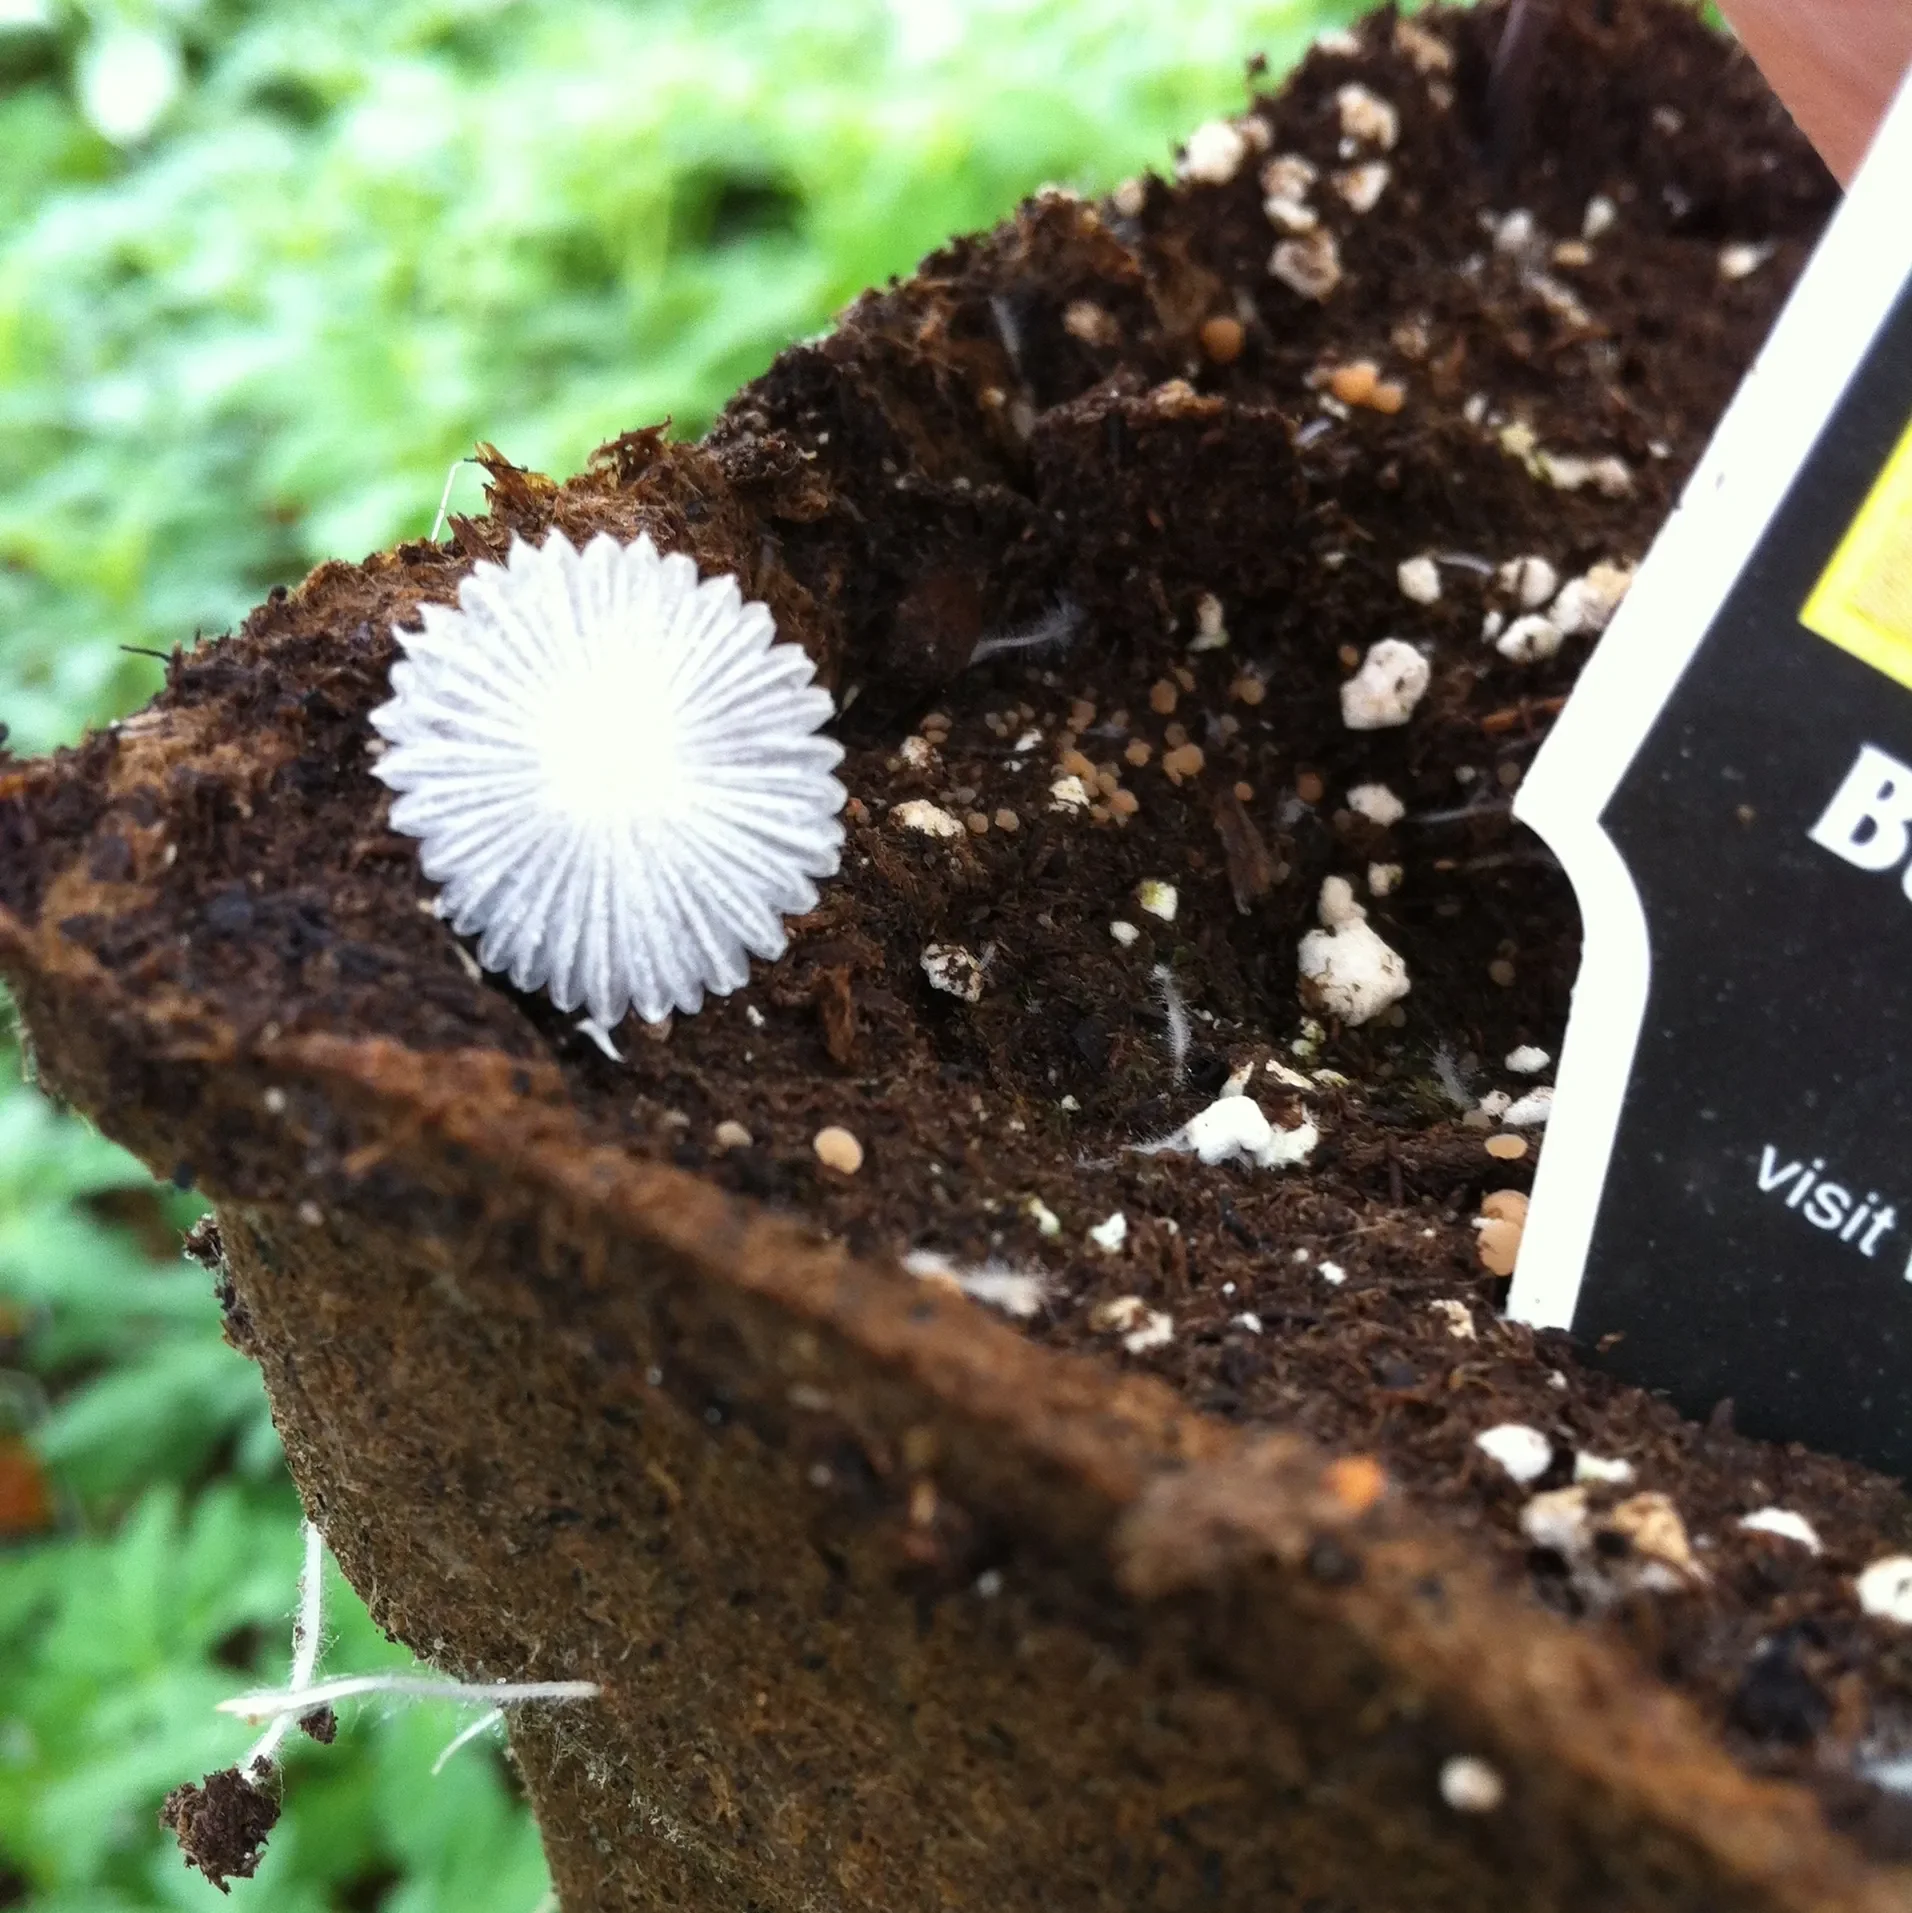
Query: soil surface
1080, 501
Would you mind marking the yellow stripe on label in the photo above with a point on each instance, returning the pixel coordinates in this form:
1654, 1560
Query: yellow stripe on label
1863, 600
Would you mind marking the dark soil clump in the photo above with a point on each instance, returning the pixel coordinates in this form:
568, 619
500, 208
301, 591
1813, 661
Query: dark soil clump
1087, 524
221, 1825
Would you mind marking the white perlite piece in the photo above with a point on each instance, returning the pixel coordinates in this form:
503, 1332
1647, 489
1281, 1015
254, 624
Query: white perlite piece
917, 753
1471, 1785
1885, 1589
1531, 580
1158, 899
1585, 605
1361, 186
1610, 476
1784, 1523
1211, 632
1740, 260
1235, 1128
918, 813
1346, 969
1558, 1521
1309, 264
1393, 678
1377, 804
1458, 1316
1288, 176
1600, 214
1530, 640
614, 771
1290, 215
1157, 1331
1068, 793
1532, 1111
1527, 1060
1126, 934
1213, 153
1428, 52
1525, 1453
1366, 117
1597, 1468
1110, 1234
1331, 1273
953, 970
1385, 879
1419, 579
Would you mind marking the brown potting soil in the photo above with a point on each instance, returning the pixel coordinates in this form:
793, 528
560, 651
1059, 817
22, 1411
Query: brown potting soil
993, 504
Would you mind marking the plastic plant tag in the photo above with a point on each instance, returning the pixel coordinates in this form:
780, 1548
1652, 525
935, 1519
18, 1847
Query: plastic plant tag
1723, 1209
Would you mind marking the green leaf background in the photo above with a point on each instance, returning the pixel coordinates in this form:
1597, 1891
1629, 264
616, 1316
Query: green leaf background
266, 272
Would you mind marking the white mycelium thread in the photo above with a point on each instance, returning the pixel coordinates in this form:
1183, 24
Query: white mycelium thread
614, 773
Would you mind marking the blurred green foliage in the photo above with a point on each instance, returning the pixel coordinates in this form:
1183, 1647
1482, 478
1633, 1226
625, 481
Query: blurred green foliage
265, 272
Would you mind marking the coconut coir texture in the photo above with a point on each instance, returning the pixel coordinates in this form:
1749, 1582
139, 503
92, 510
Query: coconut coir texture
893, 1607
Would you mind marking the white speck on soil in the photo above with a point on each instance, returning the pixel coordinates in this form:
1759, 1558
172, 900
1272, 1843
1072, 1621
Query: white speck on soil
1530, 640
1332, 1273
1124, 933
1585, 605
1346, 970
1068, 793
1157, 1332
1377, 804
1740, 260
1309, 264
1531, 1112
1419, 579
1158, 899
1385, 879
1784, 1523
1047, 1222
918, 813
1459, 1318
1525, 1453
1235, 1127
1527, 1060
1213, 153
1471, 1785
1600, 214
953, 970
1110, 1234
1211, 632
1598, 1468
1530, 580
1885, 1589
1361, 186
1366, 117
1392, 680
1289, 176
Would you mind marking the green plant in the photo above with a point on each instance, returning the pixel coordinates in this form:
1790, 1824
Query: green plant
264, 273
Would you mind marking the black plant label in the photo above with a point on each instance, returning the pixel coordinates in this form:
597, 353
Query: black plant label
1723, 1209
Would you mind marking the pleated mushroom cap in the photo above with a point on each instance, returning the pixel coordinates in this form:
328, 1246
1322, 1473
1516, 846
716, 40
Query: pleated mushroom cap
614, 772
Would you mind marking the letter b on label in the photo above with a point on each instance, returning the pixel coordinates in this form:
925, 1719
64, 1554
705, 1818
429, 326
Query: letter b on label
1869, 821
